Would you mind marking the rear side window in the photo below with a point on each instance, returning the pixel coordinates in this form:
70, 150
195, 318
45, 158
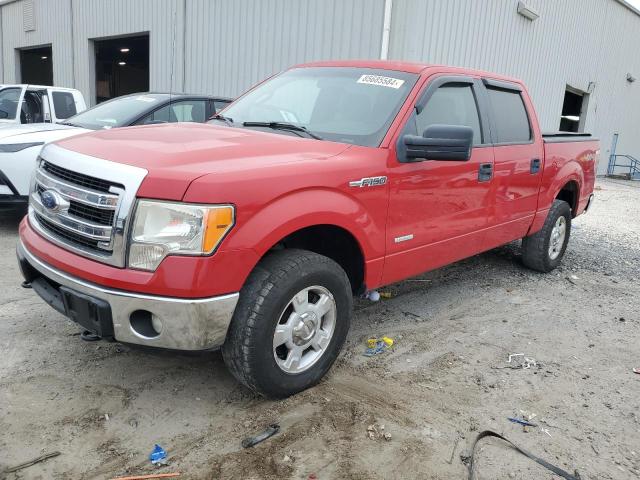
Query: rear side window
510, 116
451, 104
64, 104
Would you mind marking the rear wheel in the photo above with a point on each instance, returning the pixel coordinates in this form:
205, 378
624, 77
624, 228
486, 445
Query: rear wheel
291, 321
543, 251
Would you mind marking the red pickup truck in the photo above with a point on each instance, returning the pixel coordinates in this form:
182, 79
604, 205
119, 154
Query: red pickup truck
254, 233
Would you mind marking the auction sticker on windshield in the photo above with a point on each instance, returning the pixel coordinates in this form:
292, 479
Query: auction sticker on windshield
381, 81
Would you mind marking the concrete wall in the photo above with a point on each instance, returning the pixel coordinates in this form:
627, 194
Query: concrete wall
225, 46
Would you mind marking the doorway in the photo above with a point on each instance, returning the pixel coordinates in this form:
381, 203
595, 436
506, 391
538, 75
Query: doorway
574, 110
36, 66
122, 66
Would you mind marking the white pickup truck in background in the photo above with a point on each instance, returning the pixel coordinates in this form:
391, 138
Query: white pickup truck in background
24, 104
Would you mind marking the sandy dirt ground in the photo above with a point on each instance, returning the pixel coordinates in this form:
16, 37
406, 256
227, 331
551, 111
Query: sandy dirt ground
104, 405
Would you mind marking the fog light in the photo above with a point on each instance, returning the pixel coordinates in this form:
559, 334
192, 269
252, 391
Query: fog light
145, 324
156, 323
146, 257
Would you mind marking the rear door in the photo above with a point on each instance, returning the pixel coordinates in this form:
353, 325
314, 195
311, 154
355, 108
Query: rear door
438, 208
518, 162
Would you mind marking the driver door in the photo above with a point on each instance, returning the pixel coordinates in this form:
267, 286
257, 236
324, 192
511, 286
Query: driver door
438, 209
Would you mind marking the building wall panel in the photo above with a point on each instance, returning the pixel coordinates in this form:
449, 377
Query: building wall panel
230, 45
571, 43
52, 20
162, 19
225, 46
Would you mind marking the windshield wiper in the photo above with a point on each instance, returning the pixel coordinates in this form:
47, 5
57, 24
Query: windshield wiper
227, 120
71, 124
283, 126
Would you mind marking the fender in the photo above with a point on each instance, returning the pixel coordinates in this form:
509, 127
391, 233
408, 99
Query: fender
554, 179
305, 208
570, 171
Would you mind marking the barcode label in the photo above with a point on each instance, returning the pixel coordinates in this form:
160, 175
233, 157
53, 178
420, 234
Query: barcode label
381, 81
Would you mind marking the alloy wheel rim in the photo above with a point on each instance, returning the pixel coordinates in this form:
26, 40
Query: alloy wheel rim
558, 234
304, 329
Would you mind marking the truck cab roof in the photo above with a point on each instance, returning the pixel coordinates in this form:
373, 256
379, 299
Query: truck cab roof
409, 67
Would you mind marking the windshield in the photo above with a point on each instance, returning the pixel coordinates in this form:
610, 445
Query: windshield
9, 98
118, 112
342, 104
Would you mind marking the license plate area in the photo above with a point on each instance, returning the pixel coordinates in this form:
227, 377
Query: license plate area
91, 313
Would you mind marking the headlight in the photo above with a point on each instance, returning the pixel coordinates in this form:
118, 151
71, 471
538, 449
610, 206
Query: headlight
163, 228
16, 147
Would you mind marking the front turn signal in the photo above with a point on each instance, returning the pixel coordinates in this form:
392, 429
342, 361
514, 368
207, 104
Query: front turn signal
220, 220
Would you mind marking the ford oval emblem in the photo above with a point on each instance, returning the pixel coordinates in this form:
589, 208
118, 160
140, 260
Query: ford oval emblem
52, 200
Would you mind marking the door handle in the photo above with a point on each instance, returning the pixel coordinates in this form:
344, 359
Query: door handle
535, 166
485, 172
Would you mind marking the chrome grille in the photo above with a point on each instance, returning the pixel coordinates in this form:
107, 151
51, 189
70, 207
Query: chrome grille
88, 214
79, 179
73, 237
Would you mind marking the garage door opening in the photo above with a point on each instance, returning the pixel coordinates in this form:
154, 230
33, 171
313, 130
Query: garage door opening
122, 66
36, 66
574, 109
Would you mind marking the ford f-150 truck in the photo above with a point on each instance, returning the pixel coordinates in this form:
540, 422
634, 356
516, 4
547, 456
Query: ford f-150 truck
255, 232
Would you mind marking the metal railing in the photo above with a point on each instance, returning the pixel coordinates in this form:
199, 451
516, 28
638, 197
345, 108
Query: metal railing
630, 166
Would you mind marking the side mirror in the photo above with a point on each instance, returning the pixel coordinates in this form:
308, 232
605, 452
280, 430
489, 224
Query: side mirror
440, 142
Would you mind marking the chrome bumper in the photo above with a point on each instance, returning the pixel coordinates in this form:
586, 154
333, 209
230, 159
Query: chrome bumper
185, 324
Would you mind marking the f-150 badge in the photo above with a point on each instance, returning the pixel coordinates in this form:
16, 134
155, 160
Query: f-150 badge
368, 182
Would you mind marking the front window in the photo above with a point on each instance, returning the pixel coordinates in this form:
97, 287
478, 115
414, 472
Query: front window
9, 99
341, 104
114, 113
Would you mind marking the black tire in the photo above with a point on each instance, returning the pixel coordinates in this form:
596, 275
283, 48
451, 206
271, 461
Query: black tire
535, 248
248, 350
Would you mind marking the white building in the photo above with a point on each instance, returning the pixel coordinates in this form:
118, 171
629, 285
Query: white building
580, 58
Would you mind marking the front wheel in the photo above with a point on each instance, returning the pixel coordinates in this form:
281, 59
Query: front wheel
290, 323
543, 251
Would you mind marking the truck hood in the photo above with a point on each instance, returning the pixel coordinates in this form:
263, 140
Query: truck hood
176, 154
9, 130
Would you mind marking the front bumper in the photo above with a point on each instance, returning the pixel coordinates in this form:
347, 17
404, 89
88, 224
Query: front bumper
10, 198
178, 323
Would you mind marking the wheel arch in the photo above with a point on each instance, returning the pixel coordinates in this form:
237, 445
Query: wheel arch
570, 193
567, 185
322, 221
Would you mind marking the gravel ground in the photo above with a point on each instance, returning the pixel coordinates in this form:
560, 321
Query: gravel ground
104, 406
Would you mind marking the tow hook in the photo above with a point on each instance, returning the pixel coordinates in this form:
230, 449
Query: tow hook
88, 336
25, 284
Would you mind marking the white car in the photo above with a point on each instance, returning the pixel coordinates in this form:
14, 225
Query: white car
20, 145
26, 104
